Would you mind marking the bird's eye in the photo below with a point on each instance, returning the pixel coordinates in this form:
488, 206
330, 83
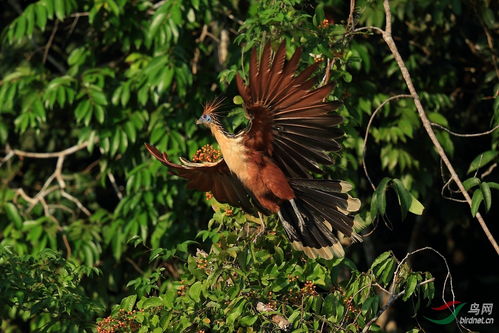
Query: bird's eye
207, 117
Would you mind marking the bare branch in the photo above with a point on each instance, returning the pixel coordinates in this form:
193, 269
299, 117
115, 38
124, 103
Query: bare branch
49, 43
351, 22
488, 171
76, 201
46, 189
464, 135
68, 151
369, 28
115, 186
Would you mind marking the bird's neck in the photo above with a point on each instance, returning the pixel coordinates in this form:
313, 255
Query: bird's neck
232, 147
219, 133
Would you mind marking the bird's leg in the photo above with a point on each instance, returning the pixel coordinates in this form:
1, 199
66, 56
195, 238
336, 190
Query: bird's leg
298, 215
261, 228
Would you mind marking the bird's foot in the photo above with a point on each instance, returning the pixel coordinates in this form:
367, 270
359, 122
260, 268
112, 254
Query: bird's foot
261, 228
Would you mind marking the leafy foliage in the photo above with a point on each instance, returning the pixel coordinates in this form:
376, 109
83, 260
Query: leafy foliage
44, 290
262, 283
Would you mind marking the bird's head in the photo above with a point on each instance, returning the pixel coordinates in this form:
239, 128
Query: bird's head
209, 116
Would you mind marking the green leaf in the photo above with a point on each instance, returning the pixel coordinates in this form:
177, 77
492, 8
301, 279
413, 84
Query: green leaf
416, 207
115, 143
382, 257
152, 302
487, 196
59, 9
475, 201
412, 282
130, 131
236, 312
381, 195
128, 302
387, 271
482, 160
248, 321
194, 291
405, 198
471, 182
82, 109
13, 214
99, 114
157, 21
41, 16
98, 97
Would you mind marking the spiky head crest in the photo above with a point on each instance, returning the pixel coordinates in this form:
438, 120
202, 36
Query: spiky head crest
212, 107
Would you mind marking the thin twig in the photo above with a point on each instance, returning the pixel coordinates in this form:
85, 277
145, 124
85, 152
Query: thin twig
364, 147
464, 135
134, 265
115, 186
351, 22
488, 171
49, 43
66, 245
76, 201
327, 72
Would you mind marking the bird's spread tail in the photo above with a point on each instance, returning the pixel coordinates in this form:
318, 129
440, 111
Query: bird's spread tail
320, 208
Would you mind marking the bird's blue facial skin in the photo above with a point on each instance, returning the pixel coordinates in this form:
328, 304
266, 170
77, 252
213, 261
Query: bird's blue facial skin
204, 119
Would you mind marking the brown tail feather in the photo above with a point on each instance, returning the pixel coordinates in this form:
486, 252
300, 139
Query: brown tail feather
325, 207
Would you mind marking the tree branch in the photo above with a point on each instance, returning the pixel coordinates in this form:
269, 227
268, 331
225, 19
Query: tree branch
57, 175
68, 151
464, 135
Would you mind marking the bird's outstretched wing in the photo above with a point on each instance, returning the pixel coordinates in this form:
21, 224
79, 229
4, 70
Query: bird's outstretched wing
214, 177
289, 119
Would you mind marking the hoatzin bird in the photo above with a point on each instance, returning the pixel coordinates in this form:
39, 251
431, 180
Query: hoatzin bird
267, 167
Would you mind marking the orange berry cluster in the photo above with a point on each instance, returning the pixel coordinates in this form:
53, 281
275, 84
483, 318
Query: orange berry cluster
208, 195
181, 289
325, 23
207, 154
229, 212
202, 263
292, 278
309, 289
318, 57
272, 304
125, 321
350, 306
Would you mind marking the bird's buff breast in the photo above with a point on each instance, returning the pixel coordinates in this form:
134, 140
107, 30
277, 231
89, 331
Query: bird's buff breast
235, 155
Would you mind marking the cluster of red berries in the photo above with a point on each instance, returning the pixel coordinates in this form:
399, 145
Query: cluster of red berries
208, 195
350, 306
125, 321
202, 263
325, 23
292, 278
229, 212
181, 289
272, 304
309, 289
207, 154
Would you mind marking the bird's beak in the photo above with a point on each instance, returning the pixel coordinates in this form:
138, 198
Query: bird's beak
199, 121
